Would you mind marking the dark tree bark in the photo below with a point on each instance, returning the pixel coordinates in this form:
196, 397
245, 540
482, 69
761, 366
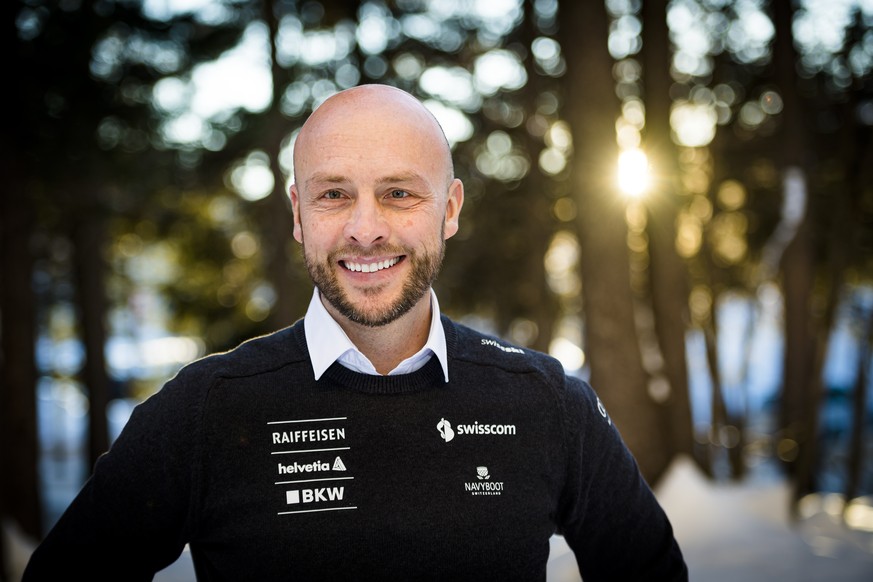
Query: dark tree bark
804, 343
531, 297
275, 210
19, 448
90, 265
855, 459
668, 274
610, 332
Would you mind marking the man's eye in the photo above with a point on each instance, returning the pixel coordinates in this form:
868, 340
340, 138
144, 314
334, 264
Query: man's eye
332, 195
399, 194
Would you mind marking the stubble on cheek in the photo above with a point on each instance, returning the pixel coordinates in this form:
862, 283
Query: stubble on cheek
424, 269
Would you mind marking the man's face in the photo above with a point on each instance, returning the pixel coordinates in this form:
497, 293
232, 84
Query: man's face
373, 205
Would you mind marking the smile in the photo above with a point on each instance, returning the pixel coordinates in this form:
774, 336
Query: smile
370, 267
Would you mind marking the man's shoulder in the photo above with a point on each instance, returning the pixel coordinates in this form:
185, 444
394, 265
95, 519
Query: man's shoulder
467, 344
254, 356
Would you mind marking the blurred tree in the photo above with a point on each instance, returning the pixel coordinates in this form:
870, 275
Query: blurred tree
856, 457
801, 391
82, 147
19, 450
790, 131
611, 339
275, 212
497, 267
668, 274
823, 176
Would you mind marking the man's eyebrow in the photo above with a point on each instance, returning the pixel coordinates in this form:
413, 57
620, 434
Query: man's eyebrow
404, 178
325, 179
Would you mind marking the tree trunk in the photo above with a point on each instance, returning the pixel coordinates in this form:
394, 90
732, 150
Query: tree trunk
726, 430
668, 274
19, 447
801, 386
533, 298
796, 271
857, 150
275, 210
611, 339
855, 459
19, 444
90, 264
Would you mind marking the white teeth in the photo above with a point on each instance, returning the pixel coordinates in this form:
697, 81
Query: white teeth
371, 267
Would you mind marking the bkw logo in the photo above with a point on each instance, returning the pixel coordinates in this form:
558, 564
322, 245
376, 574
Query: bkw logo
314, 495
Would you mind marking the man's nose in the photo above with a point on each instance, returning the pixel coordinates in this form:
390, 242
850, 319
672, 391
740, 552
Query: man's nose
367, 224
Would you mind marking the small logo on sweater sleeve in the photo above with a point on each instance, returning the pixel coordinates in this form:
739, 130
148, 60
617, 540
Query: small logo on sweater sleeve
602, 409
507, 349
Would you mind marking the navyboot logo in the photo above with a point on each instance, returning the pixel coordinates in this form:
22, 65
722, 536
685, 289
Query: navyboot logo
445, 428
484, 486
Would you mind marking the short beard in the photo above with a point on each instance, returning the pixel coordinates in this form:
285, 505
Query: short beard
425, 268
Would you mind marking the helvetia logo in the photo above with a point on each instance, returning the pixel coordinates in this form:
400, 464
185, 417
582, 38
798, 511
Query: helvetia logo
313, 467
296, 467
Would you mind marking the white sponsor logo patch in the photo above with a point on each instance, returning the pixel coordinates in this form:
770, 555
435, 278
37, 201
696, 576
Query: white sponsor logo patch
476, 428
507, 349
484, 485
445, 428
315, 495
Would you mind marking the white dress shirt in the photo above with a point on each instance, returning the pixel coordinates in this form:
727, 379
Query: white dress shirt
328, 343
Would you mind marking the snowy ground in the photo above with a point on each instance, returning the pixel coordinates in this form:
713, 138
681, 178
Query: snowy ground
742, 531
728, 532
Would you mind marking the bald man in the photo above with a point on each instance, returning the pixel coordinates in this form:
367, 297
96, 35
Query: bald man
375, 439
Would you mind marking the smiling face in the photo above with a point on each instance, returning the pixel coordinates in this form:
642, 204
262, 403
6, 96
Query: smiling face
374, 200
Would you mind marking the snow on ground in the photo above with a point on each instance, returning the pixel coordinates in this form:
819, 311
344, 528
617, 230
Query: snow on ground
743, 531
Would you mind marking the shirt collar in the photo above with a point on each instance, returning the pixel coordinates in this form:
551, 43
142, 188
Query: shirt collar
328, 343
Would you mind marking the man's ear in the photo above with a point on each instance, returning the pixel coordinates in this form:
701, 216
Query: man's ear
453, 208
295, 209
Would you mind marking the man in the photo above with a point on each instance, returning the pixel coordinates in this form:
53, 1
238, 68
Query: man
374, 439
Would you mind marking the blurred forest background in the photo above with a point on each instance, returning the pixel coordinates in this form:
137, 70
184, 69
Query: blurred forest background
673, 197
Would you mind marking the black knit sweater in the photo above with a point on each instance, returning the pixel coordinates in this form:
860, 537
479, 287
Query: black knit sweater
271, 475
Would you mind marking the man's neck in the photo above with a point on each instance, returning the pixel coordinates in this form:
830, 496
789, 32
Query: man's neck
388, 345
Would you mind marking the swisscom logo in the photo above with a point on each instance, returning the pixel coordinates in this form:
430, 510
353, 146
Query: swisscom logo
477, 428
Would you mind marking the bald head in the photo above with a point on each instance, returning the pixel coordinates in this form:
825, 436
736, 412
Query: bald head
374, 200
380, 114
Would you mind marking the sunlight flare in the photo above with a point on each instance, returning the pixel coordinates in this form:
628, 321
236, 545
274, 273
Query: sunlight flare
633, 172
